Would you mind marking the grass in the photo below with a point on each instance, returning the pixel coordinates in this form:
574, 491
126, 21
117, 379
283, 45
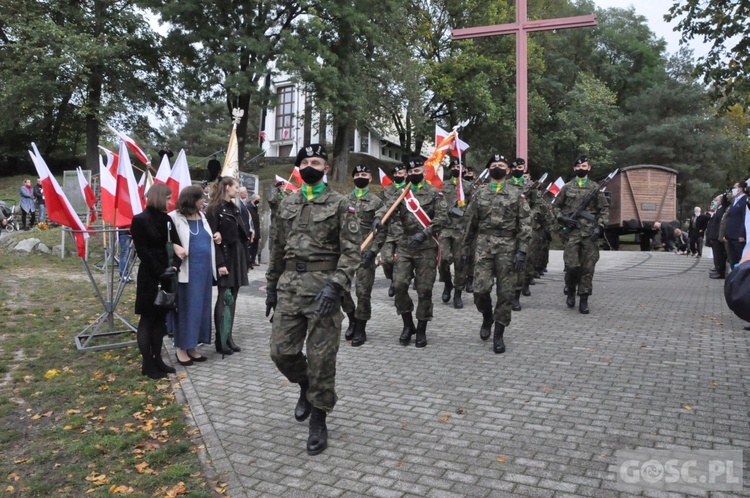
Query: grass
74, 422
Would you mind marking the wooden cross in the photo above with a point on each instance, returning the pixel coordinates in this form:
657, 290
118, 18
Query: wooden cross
520, 28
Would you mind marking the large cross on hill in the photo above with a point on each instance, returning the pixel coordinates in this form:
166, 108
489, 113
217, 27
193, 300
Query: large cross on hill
521, 28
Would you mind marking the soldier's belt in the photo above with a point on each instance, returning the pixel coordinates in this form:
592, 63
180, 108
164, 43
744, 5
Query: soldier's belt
305, 266
499, 233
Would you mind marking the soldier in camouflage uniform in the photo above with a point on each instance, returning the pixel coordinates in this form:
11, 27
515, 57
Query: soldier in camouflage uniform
518, 181
389, 195
450, 239
315, 255
582, 247
499, 218
367, 206
417, 253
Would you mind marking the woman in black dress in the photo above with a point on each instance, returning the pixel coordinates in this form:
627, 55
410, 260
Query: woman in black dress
231, 237
150, 231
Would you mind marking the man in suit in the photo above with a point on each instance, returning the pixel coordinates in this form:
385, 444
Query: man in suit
696, 228
253, 207
245, 213
712, 239
735, 233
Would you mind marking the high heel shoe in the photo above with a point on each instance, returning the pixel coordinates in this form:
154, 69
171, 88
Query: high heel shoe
184, 363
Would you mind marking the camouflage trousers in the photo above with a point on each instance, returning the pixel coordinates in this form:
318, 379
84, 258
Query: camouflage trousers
533, 258
422, 266
386, 257
365, 278
294, 321
580, 257
495, 269
450, 254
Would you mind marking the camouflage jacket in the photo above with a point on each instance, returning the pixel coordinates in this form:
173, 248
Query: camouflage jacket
389, 195
571, 195
456, 221
498, 220
325, 228
367, 208
433, 202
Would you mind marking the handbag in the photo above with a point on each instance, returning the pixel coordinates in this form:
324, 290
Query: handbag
164, 299
168, 280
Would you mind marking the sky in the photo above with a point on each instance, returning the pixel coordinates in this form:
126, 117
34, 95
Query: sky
654, 11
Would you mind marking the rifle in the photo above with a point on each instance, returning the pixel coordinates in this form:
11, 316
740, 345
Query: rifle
570, 219
536, 184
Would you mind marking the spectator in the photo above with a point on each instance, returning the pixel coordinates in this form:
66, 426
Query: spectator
197, 271
213, 168
735, 229
737, 289
28, 206
716, 212
663, 237
39, 197
681, 243
165, 152
253, 207
696, 229
247, 219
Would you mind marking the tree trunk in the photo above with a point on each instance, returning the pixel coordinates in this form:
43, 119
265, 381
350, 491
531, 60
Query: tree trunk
342, 136
94, 92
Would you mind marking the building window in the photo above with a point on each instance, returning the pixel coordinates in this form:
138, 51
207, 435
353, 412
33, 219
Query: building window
364, 141
285, 113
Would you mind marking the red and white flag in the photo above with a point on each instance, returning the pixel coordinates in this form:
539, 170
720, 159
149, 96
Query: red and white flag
59, 208
456, 146
434, 176
144, 184
88, 195
555, 188
178, 179
112, 160
107, 191
127, 201
164, 170
133, 146
385, 180
287, 185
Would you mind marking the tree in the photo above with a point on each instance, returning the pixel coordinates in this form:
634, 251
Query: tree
67, 67
726, 26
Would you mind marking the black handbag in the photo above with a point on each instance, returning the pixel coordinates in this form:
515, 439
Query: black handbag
166, 293
164, 299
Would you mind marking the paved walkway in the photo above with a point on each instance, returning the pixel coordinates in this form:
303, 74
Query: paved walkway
659, 363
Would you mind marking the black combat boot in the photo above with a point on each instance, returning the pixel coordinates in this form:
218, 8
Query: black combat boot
409, 329
391, 290
498, 346
583, 306
565, 290
350, 329
484, 332
525, 290
447, 289
457, 302
360, 335
516, 302
571, 300
421, 334
302, 410
317, 441
470, 284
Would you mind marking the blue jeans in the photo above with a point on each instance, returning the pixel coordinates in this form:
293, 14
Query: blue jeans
42, 211
124, 238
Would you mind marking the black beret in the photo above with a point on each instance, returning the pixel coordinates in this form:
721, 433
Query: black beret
581, 159
398, 167
455, 162
360, 168
496, 158
415, 162
468, 169
519, 161
314, 150
737, 291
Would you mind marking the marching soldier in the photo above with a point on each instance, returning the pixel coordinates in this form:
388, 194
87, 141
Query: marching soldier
518, 181
367, 205
450, 240
582, 247
499, 219
315, 255
422, 215
389, 196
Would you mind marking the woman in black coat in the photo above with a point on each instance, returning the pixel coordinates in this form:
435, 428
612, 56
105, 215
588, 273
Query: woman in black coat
231, 236
150, 231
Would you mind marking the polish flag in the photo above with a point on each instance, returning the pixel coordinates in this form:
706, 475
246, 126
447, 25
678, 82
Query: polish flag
556, 187
112, 160
88, 195
127, 200
132, 146
59, 208
456, 147
460, 196
108, 188
144, 184
164, 170
287, 185
178, 179
385, 180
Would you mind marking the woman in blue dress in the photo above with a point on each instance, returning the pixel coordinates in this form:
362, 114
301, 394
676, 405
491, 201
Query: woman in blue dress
197, 272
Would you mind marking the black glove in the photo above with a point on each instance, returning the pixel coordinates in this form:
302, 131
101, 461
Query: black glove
548, 234
568, 222
416, 240
327, 298
271, 299
519, 262
168, 274
376, 225
596, 234
368, 258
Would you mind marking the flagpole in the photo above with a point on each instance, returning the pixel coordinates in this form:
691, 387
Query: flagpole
387, 216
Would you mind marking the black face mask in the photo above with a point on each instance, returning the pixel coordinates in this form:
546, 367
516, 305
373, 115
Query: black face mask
498, 173
581, 173
416, 179
256, 203
455, 173
469, 178
311, 175
517, 173
361, 182
399, 179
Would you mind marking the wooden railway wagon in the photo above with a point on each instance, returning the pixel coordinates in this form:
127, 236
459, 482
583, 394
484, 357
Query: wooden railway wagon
639, 196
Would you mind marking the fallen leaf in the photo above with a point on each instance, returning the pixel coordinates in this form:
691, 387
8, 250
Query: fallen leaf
687, 407
445, 418
73, 412
97, 479
47, 414
178, 489
10, 489
546, 389
13, 476
502, 459
51, 373
36, 417
120, 490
